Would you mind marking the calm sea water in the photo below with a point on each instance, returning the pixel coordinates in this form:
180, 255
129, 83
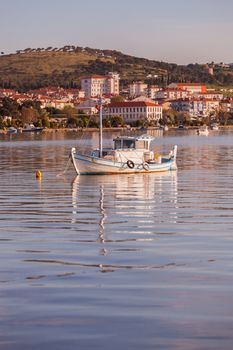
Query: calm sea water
116, 262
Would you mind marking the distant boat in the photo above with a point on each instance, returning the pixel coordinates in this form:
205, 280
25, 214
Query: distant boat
214, 126
32, 128
203, 130
181, 127
130, 154
164, 127
12, 130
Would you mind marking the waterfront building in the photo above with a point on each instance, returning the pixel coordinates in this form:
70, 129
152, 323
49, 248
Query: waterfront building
132, 111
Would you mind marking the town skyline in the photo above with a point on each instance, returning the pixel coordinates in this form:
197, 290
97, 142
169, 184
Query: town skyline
181, 32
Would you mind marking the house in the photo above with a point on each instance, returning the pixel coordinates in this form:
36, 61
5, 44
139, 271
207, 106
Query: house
88, 106
20, 98
47, 101
7, 92
191, 87
210, 95
132, 111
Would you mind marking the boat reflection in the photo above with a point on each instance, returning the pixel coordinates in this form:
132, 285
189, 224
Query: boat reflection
145, 197
121, 215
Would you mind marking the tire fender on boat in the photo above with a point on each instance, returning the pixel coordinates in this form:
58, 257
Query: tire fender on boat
145, 166
130, 164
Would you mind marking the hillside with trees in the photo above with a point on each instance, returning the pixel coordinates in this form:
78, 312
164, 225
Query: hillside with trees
34, 68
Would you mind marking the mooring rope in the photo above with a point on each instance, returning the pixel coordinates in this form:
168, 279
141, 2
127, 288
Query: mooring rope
66, 167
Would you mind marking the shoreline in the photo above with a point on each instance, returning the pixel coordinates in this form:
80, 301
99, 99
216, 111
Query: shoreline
50, 130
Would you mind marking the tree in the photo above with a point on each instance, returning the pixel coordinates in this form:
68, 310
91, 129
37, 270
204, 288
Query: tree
29, 115
53, 110
2, 125
117, 99
169, 116
224, 117
69, 111
117, 121
107, 123
9, 108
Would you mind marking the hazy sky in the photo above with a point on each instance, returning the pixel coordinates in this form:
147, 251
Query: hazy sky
179, 31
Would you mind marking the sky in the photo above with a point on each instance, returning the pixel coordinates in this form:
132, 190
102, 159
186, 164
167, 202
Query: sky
175, 31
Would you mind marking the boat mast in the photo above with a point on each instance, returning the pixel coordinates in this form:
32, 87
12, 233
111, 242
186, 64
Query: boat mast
101, 129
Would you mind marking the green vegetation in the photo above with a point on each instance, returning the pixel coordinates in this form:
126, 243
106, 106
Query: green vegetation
17, 115
34, 68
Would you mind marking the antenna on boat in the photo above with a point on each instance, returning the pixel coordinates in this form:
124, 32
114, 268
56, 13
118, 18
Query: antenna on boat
101, 127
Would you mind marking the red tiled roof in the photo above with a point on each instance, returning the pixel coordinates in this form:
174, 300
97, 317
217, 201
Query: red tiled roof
133, 104
7, 90
97, 77
190, 84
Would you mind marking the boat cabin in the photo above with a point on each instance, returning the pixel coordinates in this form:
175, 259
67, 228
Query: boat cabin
134, 148
130, 142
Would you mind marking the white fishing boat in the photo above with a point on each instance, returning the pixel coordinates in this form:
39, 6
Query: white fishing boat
130, 154
203, 130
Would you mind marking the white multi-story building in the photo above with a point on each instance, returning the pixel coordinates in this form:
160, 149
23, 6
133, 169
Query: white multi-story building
210, 95
196, 107
152, 90
132, 111
171, 94
98, 85
137, 88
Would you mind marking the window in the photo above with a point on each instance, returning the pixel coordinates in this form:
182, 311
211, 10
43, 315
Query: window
117, 144
128, 144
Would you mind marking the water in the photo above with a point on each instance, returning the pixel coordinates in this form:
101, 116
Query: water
110, 262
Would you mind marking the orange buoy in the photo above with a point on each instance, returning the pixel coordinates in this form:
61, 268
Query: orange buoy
38, 174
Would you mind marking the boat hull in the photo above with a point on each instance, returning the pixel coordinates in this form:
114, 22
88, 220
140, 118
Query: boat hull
33, 130
88, 165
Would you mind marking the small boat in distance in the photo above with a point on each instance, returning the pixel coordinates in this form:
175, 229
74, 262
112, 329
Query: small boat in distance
12, 130
182, 127
214, 126
32, 128
130, 154
203, 130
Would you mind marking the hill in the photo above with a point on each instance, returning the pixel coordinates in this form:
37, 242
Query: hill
33, 68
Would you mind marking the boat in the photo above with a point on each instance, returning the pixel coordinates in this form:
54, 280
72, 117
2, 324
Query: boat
214, 127
203, 130
32, 128
12, 130
182, 127
130, 154
164, 127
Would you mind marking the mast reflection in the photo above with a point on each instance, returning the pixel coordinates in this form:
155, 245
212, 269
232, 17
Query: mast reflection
152, 197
